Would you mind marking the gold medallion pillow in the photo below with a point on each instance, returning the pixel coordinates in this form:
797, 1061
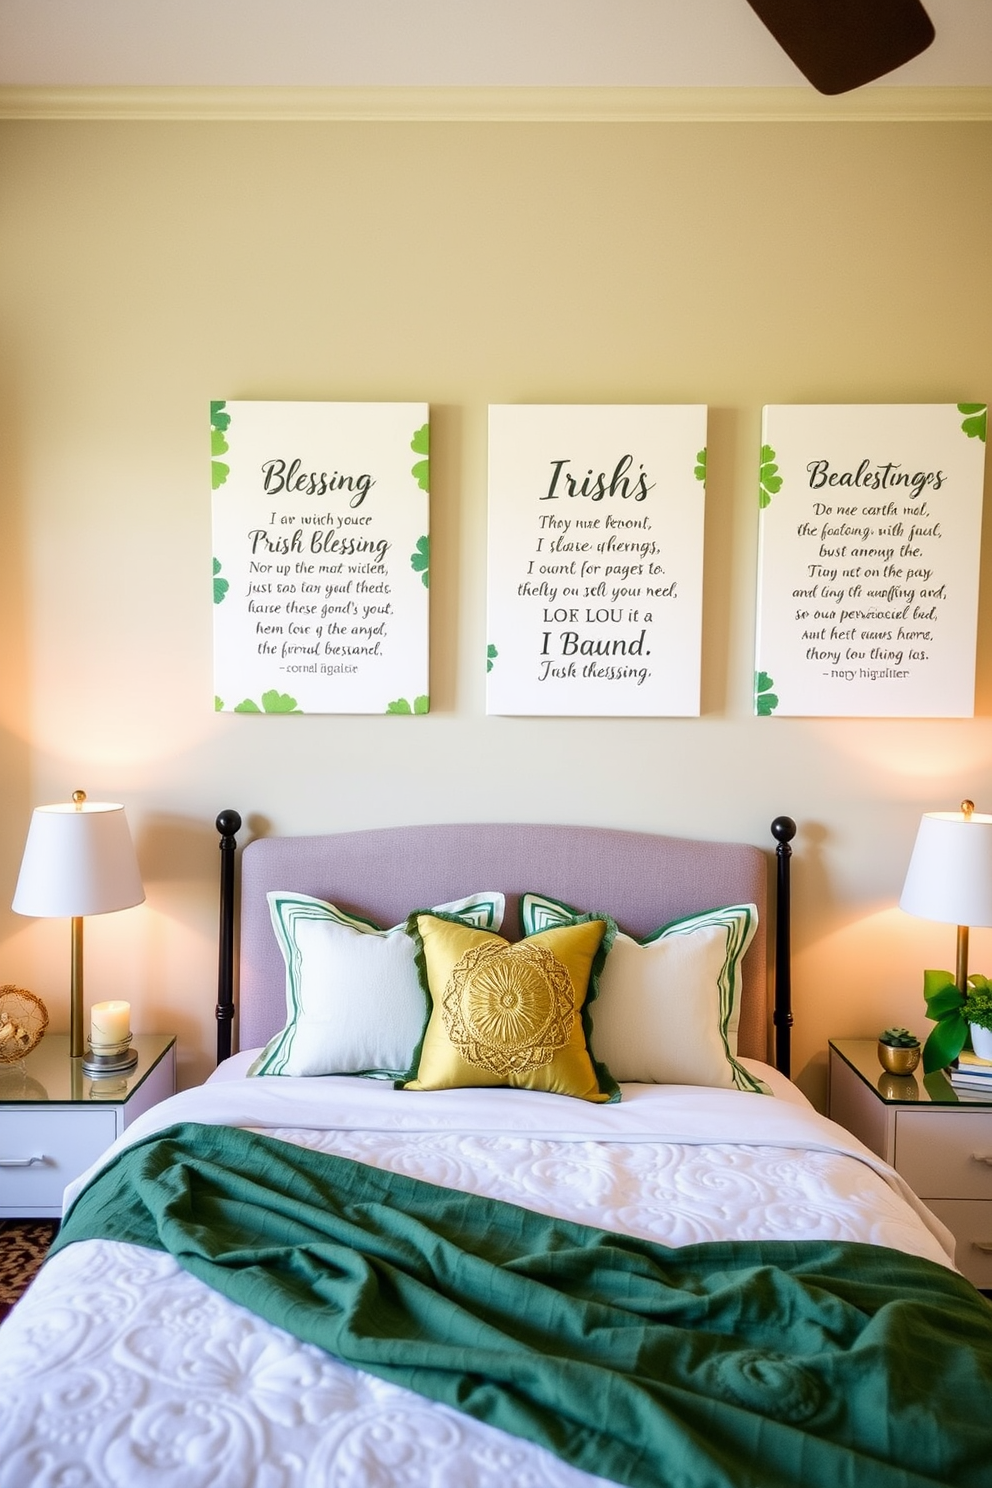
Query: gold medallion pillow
507, 1013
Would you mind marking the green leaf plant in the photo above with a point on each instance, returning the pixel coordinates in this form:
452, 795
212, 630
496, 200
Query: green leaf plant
898, 1038
951, 1010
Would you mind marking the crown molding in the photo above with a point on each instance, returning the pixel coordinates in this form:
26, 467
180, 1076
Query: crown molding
513, 105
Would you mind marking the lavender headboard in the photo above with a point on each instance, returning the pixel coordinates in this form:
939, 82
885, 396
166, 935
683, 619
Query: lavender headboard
642, 879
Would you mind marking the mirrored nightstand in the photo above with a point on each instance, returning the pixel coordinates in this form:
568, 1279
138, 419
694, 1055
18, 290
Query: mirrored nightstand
937, 1137
55, 1120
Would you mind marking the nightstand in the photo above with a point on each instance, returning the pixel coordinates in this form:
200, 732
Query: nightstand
55, 1120
938, 1138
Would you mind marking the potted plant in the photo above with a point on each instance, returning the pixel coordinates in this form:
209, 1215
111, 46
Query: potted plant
978, 1013
898, 1051
957, 1015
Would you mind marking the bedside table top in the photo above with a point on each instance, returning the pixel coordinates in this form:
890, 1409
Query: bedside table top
904, 1090
47, 1076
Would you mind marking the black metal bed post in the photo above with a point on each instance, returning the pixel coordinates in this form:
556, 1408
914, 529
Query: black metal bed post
228, 825
783, 830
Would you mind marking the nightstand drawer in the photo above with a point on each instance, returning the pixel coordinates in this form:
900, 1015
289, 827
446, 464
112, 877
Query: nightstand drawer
43, 1150
970, 1220
945, 1155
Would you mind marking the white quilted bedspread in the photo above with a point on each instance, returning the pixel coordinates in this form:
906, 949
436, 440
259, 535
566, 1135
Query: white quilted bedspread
120, 1370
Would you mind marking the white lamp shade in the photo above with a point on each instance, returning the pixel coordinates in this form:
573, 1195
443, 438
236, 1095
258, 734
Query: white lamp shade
950, 873
78, 860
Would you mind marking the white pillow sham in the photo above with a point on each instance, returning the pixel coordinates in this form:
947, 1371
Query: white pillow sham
669, 1005
354, 1004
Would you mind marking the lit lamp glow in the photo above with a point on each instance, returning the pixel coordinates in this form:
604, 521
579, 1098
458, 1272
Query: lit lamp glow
950, 875
79, 860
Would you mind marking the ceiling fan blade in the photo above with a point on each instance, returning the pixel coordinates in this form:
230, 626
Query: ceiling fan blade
841, 44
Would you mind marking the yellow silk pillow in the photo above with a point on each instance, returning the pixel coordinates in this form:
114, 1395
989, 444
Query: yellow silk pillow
507, 1013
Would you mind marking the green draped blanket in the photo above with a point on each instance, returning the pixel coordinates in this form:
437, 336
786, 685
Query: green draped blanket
721, 1365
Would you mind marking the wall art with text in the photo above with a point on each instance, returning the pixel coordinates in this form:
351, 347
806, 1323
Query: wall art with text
595, 559
321, 557
869, 533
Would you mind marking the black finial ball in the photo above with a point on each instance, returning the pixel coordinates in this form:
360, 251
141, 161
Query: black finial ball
783, 829
228, 822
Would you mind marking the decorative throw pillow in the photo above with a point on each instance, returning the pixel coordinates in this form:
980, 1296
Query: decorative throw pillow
669, 1006
510, 1014
354, 1004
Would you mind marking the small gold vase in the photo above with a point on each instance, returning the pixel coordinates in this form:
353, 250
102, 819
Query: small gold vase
896, 1060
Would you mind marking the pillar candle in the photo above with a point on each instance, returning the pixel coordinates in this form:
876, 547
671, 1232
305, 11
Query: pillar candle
110, 1023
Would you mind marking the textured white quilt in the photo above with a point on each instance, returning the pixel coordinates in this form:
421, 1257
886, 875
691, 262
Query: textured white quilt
119, 1369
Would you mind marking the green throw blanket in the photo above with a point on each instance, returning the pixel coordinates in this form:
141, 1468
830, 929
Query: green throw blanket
721, 1365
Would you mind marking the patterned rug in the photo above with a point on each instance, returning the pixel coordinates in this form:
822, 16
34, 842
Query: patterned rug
23, 1246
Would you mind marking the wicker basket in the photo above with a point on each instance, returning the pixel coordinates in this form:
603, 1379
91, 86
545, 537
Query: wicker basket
23, 1020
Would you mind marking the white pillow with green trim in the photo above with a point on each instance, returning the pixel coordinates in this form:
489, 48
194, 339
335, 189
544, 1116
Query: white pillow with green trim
669, 1005
354, 1004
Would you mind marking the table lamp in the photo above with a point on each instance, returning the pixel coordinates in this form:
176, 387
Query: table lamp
78, 860
950, 875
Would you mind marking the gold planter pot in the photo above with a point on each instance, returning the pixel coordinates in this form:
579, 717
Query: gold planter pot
898, 1061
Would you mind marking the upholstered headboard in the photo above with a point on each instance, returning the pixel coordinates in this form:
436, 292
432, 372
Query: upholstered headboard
643, 880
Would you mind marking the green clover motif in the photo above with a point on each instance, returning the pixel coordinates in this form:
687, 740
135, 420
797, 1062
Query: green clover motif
976, 419
421, 705
700, 470
421, 445
221, 586
220, 421
491, 655
420, 561
769, 480
219, 417
273, 701
765, 701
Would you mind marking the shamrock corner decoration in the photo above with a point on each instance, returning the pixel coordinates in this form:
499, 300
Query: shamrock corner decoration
420, 706
699, 470
273, 701
221, 586
220, 421
420, 561
975, 420
765, 701
421, 445
769, 480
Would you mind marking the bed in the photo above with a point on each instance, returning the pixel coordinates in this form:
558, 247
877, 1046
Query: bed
502, 1187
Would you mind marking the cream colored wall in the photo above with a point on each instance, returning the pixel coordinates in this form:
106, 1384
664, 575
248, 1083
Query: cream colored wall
148, 267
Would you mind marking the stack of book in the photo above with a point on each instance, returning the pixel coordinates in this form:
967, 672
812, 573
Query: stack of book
971, 1073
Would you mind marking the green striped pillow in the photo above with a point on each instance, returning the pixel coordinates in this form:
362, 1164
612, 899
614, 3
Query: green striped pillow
668, 1005
354, 1004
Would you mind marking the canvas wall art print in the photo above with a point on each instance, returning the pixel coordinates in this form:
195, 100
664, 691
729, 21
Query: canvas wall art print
321, 557
869, 541
595, 559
